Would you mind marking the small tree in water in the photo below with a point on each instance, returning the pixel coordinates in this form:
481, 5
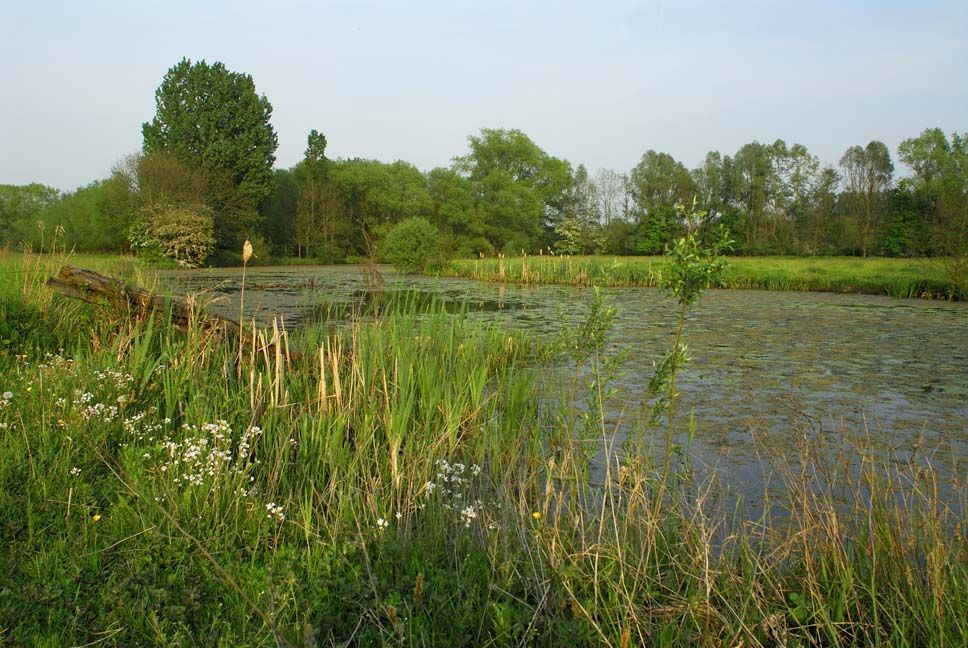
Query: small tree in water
695, 263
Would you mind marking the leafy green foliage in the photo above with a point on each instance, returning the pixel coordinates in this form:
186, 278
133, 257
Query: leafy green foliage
95, 217
868, 173
656, 230
659, 180
505, 196
579, 229
523, 192
457, 214
412, 245
588, 337
213, 118
19, 207
941, 181
184, 234
695, 265
279, 209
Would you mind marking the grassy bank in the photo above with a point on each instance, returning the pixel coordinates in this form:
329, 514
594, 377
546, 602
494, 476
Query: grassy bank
875, 276
398, 485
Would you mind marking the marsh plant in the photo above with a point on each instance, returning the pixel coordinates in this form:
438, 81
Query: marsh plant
580, 348
694, 265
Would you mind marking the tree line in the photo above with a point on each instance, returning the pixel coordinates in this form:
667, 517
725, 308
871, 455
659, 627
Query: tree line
204, 181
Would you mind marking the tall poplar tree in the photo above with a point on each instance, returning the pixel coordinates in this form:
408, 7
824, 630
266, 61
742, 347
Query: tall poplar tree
213, 118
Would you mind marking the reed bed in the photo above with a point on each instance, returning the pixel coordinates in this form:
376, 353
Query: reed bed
903, 278
399, 485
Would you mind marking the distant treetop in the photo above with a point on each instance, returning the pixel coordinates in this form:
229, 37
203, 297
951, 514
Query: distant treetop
213, 117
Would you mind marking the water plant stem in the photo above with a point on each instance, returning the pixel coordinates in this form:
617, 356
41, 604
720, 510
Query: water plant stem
670, 429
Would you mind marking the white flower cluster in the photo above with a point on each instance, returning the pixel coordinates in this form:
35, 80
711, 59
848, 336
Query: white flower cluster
119, 379
100, 412
192, 460
275, 511
58, 359
469, 514
206, 453
245, 441
113, 379
5, 400
453, 484
451, 478
54, 361
142, 429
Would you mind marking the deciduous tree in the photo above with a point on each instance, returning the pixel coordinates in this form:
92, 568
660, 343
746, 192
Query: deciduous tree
868, 173
941, 176
213, 118
522, 191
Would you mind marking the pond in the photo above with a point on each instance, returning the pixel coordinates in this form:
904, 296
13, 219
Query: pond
770, 372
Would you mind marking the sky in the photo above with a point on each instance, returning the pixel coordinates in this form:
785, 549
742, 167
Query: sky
594, 82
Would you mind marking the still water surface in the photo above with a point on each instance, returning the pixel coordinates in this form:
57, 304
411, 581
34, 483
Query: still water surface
769, 370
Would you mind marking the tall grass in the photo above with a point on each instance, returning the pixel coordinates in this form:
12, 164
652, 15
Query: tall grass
893, 277
398, 484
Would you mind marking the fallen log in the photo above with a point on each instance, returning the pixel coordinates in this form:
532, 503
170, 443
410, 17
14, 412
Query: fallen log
96, 288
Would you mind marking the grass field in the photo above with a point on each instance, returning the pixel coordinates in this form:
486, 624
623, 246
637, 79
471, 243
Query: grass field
398, 485
875, 276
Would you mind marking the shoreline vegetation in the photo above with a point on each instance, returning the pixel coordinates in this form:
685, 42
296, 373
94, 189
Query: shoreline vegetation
400, 486
901, 278
898, 278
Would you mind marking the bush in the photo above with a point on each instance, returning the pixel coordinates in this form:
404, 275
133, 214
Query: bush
328, 253
184, 234
412, 245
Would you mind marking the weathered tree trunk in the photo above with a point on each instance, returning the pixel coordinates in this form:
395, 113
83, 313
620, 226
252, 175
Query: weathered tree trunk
96, 288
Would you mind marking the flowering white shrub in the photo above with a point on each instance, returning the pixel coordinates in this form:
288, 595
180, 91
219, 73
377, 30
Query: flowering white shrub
183, 233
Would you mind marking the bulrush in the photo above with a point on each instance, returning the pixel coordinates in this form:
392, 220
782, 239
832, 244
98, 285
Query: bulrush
246, 255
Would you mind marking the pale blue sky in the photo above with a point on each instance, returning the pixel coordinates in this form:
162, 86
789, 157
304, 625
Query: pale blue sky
593, 82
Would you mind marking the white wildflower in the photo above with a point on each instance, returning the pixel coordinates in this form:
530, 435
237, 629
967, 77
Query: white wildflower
468, 515
275, 511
